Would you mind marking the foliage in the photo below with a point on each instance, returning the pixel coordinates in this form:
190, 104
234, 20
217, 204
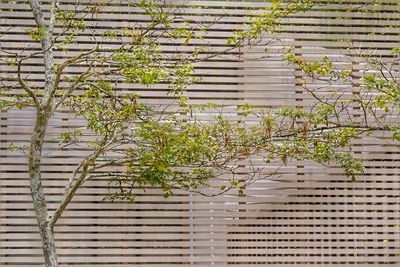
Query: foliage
270, 20
376, 93
169, 151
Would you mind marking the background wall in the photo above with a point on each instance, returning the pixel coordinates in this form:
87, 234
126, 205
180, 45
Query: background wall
309, 215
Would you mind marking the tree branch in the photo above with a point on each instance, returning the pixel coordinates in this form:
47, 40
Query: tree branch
25, 86
84, 165
52, 16
45, 33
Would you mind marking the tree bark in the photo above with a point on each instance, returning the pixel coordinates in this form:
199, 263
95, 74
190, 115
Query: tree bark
38, 196
48, 245
43, 113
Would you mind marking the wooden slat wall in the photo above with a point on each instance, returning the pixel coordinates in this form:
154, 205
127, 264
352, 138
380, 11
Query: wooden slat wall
308, 216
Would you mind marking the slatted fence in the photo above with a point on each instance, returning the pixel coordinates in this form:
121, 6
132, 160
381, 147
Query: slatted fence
309, 215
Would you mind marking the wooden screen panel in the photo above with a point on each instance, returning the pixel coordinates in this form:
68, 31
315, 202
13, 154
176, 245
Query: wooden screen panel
308, 216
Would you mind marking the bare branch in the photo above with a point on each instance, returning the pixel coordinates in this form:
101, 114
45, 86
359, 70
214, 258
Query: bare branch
52, 16
25, 86
85, 164
46, 44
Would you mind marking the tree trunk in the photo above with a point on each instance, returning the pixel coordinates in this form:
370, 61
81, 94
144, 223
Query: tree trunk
43, 113
38, 196
48, 244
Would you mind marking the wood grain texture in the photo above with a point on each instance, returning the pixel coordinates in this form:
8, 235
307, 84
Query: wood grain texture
310, 215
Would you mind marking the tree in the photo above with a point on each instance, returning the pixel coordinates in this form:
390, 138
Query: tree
373, 102
168, 148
